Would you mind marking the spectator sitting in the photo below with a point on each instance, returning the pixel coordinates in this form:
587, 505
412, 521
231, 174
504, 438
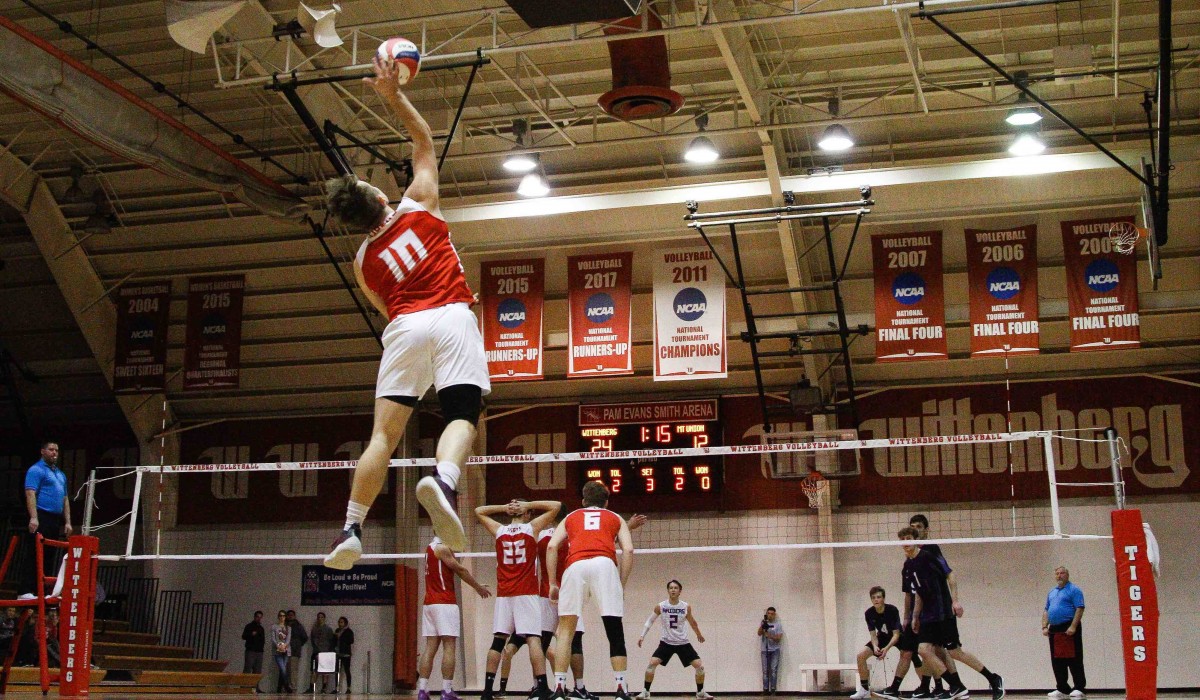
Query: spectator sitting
8, 630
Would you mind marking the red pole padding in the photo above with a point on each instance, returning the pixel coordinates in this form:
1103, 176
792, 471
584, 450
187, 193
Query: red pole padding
1137, 598
76, 615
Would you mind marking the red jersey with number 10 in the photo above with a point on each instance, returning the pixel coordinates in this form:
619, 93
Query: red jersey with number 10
592, 533
439, 579
410, 263
516, 561
564, 551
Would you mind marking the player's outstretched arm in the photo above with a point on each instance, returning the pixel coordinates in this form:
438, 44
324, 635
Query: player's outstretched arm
625, 540
484, 515
556, 540
424, 186
649, 623
446, 556
695, 625
637, 521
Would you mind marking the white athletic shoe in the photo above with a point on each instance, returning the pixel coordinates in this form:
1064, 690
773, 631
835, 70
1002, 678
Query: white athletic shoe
861, 694
1078, 694
1055, 695
701, 695
347, 549
26, 596
644, 695
440, 501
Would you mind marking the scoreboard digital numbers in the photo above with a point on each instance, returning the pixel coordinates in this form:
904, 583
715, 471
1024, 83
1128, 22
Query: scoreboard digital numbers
663, 483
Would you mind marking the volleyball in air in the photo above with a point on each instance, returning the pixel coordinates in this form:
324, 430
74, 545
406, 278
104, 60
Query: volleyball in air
405, 54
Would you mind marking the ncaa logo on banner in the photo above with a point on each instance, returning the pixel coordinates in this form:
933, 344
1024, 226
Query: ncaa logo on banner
1101, 275
1003, 283
142, 331
690, 304
908, 289
599, 308
212, 327
510, 313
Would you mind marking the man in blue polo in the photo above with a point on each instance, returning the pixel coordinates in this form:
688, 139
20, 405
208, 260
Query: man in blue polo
1062, 622
49, 513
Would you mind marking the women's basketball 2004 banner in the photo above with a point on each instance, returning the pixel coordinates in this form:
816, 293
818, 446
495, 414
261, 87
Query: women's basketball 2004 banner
212, 357
143, 316
1102, 291
689, 315
1003, 283
512, 294
599, 297
910, 307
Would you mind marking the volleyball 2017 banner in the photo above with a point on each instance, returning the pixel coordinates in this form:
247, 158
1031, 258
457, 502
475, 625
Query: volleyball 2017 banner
212, 357
512, 294
1003, 283
910, 306
599, 299
689, 315
1102, 291
143, 317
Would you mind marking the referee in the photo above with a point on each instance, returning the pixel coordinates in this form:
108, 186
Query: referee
49, 514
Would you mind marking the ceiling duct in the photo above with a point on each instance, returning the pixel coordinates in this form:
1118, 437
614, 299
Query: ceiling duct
641, 73
554, 13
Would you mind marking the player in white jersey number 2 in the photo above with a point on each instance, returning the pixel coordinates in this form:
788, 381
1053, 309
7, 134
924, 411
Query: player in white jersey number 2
674, 639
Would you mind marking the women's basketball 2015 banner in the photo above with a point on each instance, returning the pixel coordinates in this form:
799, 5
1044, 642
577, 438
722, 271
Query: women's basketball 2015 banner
910, 307
1003, 283
599, 299
143, 316
689, 315
1102, 291
212, 357
512, 294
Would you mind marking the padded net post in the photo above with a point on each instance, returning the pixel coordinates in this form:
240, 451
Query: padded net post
77, 614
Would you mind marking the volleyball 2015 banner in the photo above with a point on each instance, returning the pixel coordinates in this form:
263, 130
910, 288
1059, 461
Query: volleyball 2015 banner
599, 298
689, 315
910, 307
512, 294
1102, 291
212, 355
1003, 283
143, 316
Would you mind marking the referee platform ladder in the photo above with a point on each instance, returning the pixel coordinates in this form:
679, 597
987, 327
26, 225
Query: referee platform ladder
803, 339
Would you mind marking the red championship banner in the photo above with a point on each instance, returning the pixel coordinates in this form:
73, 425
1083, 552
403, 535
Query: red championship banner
1102, 290
212, 356
599, 299
143, 316
512, 297
1003, 284
1137, 598
910, 309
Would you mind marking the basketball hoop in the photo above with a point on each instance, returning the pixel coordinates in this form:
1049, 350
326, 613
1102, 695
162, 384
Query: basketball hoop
1125, 236
816, 487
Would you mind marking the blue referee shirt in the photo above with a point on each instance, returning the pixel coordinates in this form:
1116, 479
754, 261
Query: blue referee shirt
50, 484
1061, 603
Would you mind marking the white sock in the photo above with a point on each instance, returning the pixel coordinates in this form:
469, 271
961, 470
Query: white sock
422, 684
619, 676
579, 684
560, 680
356, 513
449, 472
447, 686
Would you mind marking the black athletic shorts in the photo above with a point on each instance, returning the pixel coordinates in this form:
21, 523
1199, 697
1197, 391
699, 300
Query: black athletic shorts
665, 651
881, 640
940, 633
908, 640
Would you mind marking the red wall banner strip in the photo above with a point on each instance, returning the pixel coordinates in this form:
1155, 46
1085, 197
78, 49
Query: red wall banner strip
1102, 290
1137, 599
599, 301
1003, 290
512, 295
143, 317
212, 357
910, 306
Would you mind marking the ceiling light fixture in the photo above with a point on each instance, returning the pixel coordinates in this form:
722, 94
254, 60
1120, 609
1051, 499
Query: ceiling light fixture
701, 150
74, 194
520, 162
533, 185
1027, 144
835, 138
1024, 113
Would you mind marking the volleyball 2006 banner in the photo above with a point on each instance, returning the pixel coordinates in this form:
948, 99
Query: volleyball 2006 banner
1003, 284
212, 357
1102, 291
512, 294
910, 307
689, 315
599, 297
143, 316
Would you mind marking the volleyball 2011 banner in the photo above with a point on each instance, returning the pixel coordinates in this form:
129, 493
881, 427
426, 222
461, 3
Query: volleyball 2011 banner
910, 306
212, 357
1102, 291
599, 298
512, 294
1003, 284
689, 315
143, 317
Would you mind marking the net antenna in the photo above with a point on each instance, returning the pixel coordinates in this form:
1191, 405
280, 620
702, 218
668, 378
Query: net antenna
1125, 236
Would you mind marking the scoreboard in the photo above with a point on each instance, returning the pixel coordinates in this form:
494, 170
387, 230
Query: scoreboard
663, 483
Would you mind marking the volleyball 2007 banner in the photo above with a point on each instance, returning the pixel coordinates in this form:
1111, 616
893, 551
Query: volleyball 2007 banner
689, 315
512, 294
599, 297
212, 357
1003, 284
1102, 290
910, 306
143, 317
